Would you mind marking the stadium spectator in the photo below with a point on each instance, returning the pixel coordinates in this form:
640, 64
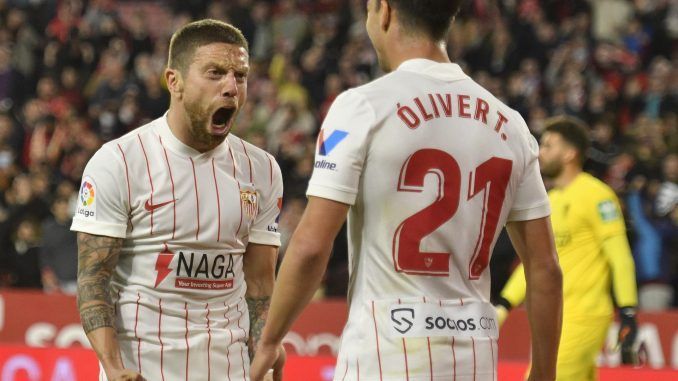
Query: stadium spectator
608, 62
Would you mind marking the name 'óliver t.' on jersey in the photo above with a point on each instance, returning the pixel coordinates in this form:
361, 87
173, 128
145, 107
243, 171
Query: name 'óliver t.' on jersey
433, 166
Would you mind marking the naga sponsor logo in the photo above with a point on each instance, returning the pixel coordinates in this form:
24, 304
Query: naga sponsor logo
403, 319
196, 270
325, 146
324, 164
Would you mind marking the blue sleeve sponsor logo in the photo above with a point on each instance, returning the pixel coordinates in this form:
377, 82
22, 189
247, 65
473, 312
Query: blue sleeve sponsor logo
325, 146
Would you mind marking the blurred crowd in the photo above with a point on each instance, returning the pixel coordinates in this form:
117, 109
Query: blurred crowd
77, 73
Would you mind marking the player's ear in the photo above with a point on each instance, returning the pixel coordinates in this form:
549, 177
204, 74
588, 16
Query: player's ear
570, 155
385, 15
175, 82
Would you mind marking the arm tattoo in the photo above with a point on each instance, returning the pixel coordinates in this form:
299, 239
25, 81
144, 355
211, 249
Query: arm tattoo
97, 258
258, 309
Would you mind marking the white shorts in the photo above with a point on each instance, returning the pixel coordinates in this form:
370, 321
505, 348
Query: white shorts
183, 341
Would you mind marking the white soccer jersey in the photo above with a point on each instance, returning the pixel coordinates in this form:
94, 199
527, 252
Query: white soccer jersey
186, 218
433, 166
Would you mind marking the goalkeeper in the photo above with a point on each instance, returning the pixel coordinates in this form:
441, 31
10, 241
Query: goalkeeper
593, 251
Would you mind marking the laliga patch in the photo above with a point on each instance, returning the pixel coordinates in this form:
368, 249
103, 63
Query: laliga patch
608, 211
87, 199
433, 320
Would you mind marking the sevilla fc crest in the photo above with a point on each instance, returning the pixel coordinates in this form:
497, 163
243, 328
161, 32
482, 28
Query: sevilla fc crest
248, 199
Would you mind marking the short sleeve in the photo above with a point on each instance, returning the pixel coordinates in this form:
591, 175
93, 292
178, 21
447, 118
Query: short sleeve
606, 216
264, 230
102, 207
531, 201
341, 149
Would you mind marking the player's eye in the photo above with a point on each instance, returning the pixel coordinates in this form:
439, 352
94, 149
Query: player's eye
213, 73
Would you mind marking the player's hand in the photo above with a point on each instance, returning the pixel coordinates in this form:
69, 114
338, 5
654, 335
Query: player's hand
503, 307
628, 330
126, 375
502, 314
268, 357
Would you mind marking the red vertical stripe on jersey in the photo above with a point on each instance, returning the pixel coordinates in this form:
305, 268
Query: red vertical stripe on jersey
407, 369
129, 192
162, 347
174, 204
235, 176
492, 354
376, 336
150, 178
248, 160
216, 187
473, 342
186, 337
242, 358
430, 358
345, 371
197, 200
136, 322
270, 168
228, 348
209, 340
454, 360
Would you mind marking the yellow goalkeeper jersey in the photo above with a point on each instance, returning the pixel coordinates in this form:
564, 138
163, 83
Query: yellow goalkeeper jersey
585, 214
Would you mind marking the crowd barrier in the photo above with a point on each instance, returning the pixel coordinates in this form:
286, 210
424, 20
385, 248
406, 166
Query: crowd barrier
41, 339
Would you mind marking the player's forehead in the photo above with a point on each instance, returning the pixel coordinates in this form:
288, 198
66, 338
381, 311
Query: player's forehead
227, 56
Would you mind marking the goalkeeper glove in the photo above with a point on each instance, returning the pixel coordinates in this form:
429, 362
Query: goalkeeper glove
503, 307
628, 330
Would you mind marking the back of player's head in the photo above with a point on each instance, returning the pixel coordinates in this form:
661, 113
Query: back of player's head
573, 131
191, 36
433, 17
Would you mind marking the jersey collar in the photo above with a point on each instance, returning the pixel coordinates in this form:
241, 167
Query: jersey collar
443, 71
170, 141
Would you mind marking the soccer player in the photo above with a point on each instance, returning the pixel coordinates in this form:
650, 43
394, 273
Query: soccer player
429, 166
593, 251
177, 232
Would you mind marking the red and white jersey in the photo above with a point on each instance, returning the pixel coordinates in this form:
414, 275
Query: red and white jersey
186, 218
433, 166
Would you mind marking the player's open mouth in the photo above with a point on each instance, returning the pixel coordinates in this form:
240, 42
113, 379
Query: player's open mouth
222, 117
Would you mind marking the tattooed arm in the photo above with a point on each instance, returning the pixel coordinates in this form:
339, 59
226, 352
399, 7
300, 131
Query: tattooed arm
259, 266
97, 258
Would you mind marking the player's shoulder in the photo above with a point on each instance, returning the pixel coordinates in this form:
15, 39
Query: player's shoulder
257, 155
132, 136
118, 149
593, 187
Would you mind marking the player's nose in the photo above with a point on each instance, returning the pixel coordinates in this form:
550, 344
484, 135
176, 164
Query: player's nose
229, 86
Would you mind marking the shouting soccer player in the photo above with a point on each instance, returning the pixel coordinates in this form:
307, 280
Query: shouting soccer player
178, 239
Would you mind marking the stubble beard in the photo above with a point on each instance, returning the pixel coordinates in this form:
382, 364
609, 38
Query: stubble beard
200, 119
552, 169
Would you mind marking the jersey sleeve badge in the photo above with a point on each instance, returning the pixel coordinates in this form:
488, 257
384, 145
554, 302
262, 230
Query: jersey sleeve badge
607, 211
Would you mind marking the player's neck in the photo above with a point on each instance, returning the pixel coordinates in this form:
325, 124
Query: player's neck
566, 177
180, 124
411, 48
